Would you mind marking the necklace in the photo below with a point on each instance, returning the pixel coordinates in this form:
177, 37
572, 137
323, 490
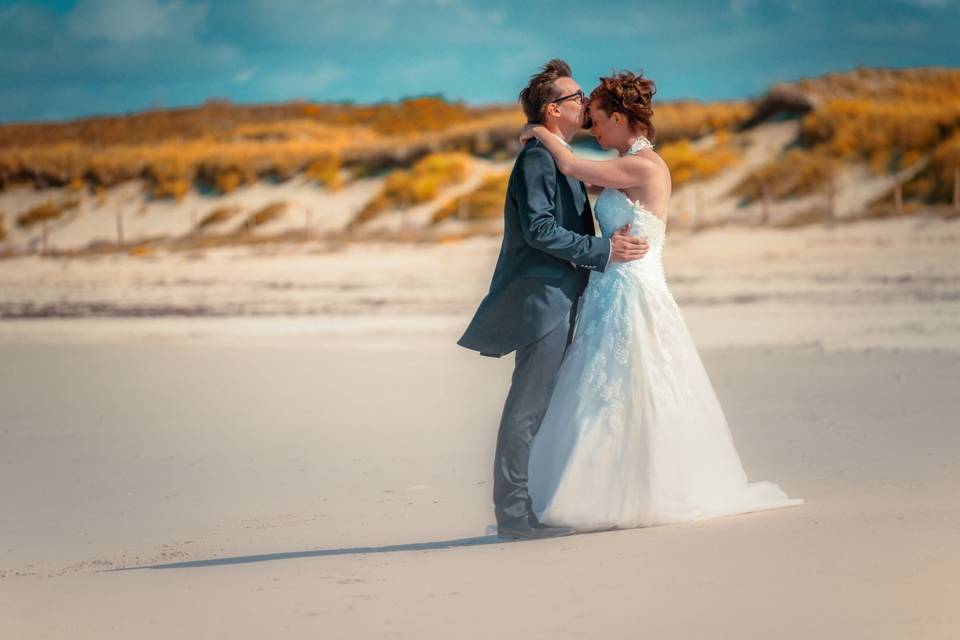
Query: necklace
638, 145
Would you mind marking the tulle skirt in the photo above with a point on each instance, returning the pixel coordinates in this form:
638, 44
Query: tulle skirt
634, 434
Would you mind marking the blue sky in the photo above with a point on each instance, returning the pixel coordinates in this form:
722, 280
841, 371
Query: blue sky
70, 58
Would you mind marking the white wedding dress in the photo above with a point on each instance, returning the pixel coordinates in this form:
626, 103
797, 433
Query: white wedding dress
634, 434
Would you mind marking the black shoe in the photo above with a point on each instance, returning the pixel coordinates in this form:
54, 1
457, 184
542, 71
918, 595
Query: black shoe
533, 533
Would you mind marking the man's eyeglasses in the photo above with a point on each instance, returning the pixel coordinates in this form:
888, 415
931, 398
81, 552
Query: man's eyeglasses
578, 96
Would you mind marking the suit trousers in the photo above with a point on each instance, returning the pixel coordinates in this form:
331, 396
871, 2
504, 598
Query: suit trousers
534, 376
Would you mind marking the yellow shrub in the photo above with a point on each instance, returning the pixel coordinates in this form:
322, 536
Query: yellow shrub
483, 203
688, 164
851, 127
175, 188
46, 211
218, 216
890, 119
267, 213
411, 116
140, 251
936, 181
326, 171
796, 173
228, 180
690, 119
420, 184
241, 142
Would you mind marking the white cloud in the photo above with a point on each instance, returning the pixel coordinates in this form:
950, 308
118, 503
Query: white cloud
427, 72
133, 41
135, 20
244, 75
885, 30
739, 7
305, 83
312, 23
927, 4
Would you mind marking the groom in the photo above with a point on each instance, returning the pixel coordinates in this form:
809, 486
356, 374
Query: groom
549, 246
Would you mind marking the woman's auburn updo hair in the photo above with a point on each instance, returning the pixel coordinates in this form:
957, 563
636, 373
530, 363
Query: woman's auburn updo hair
631, 95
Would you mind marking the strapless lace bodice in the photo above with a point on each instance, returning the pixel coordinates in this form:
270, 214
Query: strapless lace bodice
614, 209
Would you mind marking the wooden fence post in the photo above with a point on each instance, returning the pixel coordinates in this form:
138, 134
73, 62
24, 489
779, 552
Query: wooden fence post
956, 189
765, 203
898, 195
119, 227
697, 208
831, 197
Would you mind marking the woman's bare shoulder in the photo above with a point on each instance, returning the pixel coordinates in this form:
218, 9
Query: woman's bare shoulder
658, 165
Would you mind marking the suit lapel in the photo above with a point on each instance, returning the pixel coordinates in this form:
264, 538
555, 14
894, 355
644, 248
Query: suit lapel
576, 187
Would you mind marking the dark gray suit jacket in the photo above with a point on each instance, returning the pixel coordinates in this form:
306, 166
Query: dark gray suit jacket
549, 246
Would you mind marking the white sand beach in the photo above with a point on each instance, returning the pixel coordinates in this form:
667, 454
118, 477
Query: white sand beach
285, 440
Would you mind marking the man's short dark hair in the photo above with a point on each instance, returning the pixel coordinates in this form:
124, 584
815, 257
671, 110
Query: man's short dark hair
540, 91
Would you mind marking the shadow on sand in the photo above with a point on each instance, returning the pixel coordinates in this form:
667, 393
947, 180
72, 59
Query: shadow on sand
266, 557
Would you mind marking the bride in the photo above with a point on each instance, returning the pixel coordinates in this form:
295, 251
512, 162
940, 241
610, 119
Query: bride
634, 434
